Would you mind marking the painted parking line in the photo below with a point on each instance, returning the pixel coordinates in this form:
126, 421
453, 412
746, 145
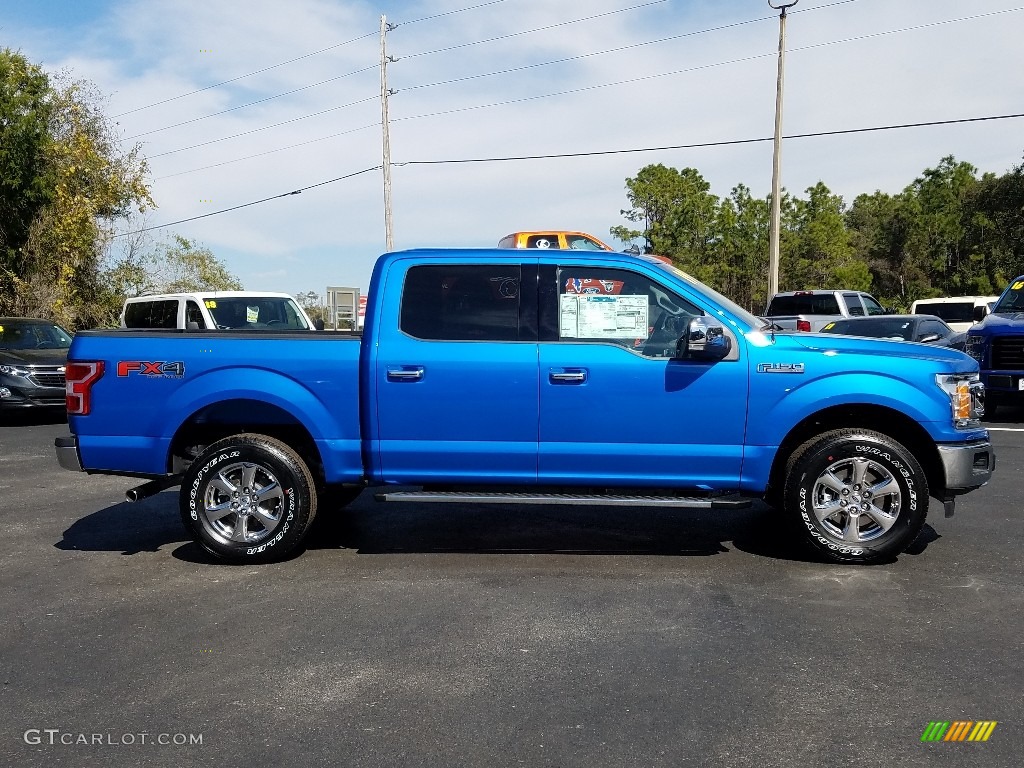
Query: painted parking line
1005, 429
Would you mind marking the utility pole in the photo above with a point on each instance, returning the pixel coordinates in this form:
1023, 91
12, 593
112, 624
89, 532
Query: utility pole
384, 93
776, 215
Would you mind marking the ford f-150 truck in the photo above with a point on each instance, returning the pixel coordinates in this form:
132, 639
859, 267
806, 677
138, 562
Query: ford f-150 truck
513, 376
997, 343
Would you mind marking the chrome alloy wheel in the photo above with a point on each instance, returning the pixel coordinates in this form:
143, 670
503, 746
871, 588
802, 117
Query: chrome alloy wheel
856, 499
243, 503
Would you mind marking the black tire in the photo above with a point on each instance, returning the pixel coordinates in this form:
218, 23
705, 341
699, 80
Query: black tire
862, 470
248, 499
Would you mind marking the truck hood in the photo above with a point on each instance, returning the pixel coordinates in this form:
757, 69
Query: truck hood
1001, 323
33, 356
887, 348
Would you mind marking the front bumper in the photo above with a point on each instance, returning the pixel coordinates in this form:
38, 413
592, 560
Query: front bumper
967, 465
67, 453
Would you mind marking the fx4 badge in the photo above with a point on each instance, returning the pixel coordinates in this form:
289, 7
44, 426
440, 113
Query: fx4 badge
780, 367
168, 370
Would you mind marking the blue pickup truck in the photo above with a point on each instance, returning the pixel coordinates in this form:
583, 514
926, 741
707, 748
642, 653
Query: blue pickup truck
498, 376
997, 343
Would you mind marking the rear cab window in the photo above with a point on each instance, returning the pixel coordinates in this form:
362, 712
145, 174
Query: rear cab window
160, 313
803, 304
462, 302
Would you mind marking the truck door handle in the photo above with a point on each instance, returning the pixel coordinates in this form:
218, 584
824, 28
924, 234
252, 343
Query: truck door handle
405, 373
568, 375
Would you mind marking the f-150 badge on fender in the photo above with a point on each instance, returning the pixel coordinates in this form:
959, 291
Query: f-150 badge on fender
780, 367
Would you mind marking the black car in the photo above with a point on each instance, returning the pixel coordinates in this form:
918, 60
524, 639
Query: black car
32, 358
925, 329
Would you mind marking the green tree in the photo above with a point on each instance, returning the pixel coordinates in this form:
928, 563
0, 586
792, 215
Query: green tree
820, 254
79, 184
178, 266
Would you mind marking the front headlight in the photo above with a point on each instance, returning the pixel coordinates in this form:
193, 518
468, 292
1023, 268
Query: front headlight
966, 397
975, 347
13, 370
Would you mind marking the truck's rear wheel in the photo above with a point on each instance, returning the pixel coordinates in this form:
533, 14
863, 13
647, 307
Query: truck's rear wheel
248, 499
856, 495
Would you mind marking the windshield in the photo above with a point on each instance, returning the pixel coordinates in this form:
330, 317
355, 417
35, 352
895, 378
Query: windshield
22, 334
257, 312
753, 321
803, 304
1013, 300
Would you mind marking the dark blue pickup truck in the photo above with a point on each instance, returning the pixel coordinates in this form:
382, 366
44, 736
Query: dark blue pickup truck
997, 343
498, 376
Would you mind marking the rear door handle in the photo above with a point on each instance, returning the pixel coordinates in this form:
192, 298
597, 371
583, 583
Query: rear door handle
568, 375
405, 373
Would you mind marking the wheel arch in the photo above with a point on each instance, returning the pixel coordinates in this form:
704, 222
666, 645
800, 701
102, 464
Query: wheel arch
877, 418
224, 418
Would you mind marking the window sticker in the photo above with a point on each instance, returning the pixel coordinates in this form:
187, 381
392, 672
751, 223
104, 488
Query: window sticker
1018, 285
828, 326
252, 314
211, 304
592, 285
590, 316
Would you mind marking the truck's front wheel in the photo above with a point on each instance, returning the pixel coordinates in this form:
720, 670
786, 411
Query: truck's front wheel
248, 499
856, 495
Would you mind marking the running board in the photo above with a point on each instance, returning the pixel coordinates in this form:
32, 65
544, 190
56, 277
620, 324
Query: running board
473, 497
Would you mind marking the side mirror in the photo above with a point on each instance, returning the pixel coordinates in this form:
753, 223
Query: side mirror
191, 325
703, 339
979, 313
634, 250
318, 324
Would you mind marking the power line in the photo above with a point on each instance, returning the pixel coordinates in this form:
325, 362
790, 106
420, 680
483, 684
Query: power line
470, 77
268, 152
630, 81
620, 48
297, 58
248, 74
701, 145
450, 13
725, 143
298, 191
251, 103
358, 71
743, 59
530, 31
266, 127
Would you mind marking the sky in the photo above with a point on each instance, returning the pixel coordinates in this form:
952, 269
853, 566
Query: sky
236, 101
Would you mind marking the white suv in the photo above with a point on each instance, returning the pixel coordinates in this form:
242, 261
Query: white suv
958, 311
225, 310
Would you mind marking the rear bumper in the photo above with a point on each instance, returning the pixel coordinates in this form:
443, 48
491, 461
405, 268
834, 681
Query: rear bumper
967, 465
67, 453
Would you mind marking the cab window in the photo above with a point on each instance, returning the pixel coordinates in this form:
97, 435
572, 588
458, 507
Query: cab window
613, 306
193, 314
462, 302
161, 313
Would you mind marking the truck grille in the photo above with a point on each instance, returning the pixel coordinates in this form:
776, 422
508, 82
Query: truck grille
48, 379
1008, 353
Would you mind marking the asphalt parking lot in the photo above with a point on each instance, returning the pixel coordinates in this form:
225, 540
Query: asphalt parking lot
440, 636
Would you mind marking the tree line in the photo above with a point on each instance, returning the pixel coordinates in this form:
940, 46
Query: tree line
950, 232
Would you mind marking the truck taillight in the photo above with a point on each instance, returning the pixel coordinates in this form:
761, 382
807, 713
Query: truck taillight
803, 325
79, 378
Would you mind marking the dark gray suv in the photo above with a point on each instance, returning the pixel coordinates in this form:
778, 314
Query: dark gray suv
32, 358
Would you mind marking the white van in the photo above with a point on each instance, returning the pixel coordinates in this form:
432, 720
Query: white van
957, 311
225, 310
